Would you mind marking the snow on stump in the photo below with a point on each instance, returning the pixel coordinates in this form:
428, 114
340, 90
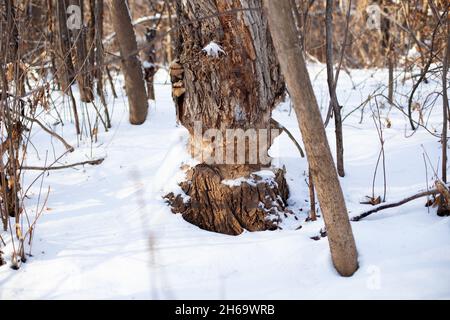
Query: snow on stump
256, 203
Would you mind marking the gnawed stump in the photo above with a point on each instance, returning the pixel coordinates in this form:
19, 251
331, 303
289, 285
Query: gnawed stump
230, 207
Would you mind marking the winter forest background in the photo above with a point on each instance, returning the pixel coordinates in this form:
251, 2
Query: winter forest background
220, 149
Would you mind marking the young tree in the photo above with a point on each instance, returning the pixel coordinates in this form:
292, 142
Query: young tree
131, 65
63, 59
81, 53
227, 79
329, 192
335, 108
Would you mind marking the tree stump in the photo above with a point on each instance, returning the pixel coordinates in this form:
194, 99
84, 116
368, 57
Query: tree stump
255, 203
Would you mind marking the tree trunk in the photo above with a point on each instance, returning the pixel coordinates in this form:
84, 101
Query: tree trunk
150, 68
444, 209
99, 57
387, 45
131, 65
335, 108
226, 82
82, 57
329, 192
64, 66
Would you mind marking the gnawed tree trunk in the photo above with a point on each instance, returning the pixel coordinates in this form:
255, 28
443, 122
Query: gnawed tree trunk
226, 81
131, 65
329, 192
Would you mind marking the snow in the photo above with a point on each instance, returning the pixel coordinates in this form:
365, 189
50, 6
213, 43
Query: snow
213, 50
107, 234
148, 65
263, 175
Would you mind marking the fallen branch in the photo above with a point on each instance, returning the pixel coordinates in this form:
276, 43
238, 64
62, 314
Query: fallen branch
52, 133
396, 204
90, 162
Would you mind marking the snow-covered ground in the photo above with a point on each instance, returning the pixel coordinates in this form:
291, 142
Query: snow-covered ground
107, 233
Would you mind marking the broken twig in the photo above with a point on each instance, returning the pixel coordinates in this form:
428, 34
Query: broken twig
90, 162
396, 204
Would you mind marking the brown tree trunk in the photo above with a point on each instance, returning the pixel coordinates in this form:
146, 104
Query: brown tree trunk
229, 90
239, 87
329, 192
335, 108
131, 65
82, 57
64, 66
99, 57
444, 209
13, 127
388, 51
150, 68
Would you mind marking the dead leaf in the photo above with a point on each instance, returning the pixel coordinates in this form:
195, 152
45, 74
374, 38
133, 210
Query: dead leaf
372, 201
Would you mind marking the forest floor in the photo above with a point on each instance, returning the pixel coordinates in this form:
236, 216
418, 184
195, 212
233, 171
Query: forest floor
107, 233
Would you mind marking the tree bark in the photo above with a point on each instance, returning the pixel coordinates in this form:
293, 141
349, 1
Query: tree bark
82, 57
64, 66
329, 192
444, 208
99, 57
131, 65
233, 88
150, 68
445, 105
335, 108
